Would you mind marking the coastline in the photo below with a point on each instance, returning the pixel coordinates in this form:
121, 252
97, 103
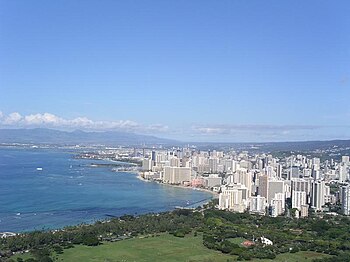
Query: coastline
215, 194
139, 176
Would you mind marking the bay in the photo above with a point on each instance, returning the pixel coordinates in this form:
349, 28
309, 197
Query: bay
68, 191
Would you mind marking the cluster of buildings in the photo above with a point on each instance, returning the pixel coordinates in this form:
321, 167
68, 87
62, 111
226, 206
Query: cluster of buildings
258, 183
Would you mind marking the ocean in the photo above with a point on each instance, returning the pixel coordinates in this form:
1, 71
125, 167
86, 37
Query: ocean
68, 191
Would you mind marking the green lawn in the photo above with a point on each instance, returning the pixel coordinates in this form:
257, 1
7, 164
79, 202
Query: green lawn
161, 248
237, 240
296, 257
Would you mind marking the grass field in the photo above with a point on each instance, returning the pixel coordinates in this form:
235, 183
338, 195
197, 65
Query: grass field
237, 240
161, 248
296, 257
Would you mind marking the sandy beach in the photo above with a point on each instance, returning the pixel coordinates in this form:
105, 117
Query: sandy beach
215, 194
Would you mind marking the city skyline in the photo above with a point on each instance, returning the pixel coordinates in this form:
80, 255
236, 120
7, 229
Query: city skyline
191, 70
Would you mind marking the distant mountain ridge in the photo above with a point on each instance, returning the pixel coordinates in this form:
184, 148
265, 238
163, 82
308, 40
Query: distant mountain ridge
112, 138
297, 146
52, 136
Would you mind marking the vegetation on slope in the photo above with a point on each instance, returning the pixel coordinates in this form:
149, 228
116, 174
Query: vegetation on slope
216, 229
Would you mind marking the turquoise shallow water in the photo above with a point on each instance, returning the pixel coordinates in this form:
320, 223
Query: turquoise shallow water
68, 191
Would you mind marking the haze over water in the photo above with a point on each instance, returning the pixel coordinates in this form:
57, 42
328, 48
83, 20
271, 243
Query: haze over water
68, 191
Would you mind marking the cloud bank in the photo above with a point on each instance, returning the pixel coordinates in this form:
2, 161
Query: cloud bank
49, 120
198, 132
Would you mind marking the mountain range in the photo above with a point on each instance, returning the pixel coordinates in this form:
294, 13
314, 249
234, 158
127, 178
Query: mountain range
51, 136
113, 138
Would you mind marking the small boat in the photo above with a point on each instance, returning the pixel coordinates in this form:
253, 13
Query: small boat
39, 169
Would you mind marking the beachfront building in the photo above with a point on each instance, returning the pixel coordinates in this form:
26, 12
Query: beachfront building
213, 180
146, 164
176, 175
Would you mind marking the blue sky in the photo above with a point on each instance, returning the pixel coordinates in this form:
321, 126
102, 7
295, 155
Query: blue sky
190, 70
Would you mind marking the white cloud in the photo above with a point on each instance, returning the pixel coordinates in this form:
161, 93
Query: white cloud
158, 128
51, 120
80, 122
45, 118
13, 118
211, 130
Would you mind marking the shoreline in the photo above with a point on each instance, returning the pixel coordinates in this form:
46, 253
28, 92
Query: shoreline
139, 176
215, 194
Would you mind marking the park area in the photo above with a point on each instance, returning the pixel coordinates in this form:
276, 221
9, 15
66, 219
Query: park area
163, 247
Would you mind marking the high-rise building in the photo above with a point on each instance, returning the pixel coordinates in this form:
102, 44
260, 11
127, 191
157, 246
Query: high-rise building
345, 159
299, 184
257, 204
345, 200
274, 187
276, 207
316, 174
298, 199
269, 171
318, 194
279, 171
228, 165
153, 155
242, 176
263, 186
343, 172
213, 180
316, 161
307, 172
176, 175
213, 165
146, 164
293, 172
175, 162
233, 197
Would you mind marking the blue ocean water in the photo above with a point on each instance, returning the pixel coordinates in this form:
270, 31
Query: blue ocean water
69, 191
